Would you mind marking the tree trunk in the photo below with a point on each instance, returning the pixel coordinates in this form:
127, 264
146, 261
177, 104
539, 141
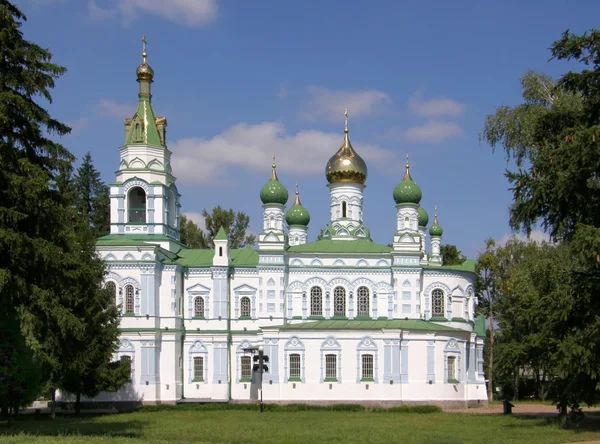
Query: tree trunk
537, 384
77, 403
516, 395
491, 361
53, 405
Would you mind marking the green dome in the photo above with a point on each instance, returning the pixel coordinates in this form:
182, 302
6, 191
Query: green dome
435, 229
297, 215
423, 217
273, 192
407, 191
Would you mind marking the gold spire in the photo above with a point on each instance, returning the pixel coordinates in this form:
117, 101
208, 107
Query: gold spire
407, 173
346, 121
346, 165
273, 172
435, 214
297, 201
144, 71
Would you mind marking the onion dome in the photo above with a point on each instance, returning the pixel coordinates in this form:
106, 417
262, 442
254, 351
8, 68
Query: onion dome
423, 217
273, 192
407, 191
436, 229
144, 71
346, 165
297, 214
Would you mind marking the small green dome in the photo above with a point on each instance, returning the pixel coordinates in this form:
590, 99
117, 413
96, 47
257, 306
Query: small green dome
423, 217
297, 214
407, 191
273, 192
435, 229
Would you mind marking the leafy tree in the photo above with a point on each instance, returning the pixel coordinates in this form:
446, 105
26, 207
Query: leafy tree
451, 255
553, 139
190, 234
92, 197
235, 224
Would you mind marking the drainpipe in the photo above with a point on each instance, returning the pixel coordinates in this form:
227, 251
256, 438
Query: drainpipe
229, 336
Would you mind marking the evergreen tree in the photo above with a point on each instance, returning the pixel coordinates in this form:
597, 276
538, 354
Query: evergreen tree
451, 255
554, 139
92, 197
235, 224
190, 234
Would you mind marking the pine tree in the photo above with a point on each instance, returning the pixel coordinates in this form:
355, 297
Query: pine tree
92, 199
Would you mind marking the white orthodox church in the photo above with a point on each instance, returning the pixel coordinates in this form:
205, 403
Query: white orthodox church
342, 319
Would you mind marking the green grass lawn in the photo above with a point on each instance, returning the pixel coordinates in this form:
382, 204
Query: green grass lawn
314, 427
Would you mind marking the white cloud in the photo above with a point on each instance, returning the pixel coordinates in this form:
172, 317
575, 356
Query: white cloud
435, 107
197, 218
328, 104
189, 12
535, 236
250, 146
110, 108
433, 132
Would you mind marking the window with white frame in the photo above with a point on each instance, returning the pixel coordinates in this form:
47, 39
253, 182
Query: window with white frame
316, 301
452, 373
339, 301
295, 368
362, 299
199, 307
437, 303
129, 299
330, 366
112, 288
127, 358
198, 368
367, 366
246, 370
245, 307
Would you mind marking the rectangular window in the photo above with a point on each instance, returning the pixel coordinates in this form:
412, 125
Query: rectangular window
270, 308
246, 367
405, 308
452, 369
271, 294
406, 295
198, 368
330, 366
295, 372
367, 366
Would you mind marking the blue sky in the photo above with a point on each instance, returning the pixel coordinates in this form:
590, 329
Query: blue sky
240, 81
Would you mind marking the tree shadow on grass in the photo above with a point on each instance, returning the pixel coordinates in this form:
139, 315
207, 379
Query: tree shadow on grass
589, 423
82, 426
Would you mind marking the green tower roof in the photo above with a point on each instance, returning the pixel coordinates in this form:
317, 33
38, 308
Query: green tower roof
423, 217
436, 229
407, 191
273, 192
297, 214
221, 234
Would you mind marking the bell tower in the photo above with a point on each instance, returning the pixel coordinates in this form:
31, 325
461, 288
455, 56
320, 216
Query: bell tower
144, 197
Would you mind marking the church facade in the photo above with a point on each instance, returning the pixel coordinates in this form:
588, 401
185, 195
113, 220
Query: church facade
341, 319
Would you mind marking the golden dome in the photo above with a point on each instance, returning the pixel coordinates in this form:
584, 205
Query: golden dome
144, 71
346, 165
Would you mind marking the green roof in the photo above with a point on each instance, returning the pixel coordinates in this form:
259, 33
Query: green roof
144, 119
411, 324
200, 258
221, 235
468, 266
341, 246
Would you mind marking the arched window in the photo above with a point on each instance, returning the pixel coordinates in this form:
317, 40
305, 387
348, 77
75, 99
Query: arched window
295, 369
245, 307
129, 299
137, 205
198, 368
199, 307
112, 287
344, 209
406, 222
316, 301
246, 373
171, 210
138, 132
339, 301
271, 222
437, 303
367, 367
362, 299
